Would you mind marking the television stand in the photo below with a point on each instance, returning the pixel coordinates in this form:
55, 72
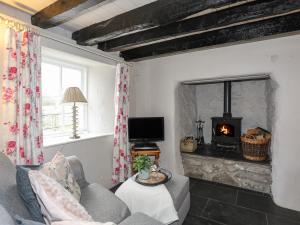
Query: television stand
146, 146
135, 151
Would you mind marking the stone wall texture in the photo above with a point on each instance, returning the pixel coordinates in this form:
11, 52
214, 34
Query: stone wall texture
186, 95
251, 100
252, 176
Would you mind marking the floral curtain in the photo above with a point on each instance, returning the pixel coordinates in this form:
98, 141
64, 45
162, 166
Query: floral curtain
121, 154
21, 129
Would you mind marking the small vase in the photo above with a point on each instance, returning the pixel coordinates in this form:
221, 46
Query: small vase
144, 174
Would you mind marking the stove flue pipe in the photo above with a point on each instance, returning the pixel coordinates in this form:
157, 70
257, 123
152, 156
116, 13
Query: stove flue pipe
227, 99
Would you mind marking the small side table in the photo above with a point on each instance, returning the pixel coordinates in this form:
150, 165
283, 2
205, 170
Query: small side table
150, 152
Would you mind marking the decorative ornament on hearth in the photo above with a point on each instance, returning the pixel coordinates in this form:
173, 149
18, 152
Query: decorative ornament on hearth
188, 144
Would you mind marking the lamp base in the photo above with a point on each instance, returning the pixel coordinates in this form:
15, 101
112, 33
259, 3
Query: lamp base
75, 122
75, 137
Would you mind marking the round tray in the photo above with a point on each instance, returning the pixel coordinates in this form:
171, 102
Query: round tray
156, 178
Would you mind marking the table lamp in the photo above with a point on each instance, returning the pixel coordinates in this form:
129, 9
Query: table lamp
73, 95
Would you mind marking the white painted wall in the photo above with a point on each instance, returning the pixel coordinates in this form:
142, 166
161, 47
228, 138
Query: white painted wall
95, 155
101, 87
156, 80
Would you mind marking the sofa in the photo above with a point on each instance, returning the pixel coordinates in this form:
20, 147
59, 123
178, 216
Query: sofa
100, 202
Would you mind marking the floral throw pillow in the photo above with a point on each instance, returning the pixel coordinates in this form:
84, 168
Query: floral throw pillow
60, 170
57, 204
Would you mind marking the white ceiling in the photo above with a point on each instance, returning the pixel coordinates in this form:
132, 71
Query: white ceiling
101, 12
29, 6
104, 12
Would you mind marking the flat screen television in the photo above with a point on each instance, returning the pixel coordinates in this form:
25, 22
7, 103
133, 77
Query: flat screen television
146, 129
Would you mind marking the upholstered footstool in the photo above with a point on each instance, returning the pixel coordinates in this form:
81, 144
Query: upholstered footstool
178, 187
103, 205
165, 204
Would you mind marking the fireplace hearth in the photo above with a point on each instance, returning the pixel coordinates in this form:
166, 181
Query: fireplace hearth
226, 130
220, 158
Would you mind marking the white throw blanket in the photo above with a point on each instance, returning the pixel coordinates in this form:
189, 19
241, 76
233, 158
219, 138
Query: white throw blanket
155, 202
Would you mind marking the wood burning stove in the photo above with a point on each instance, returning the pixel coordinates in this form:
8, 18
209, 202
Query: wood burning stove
226, 130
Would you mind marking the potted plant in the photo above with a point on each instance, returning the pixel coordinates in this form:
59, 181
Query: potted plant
142, 164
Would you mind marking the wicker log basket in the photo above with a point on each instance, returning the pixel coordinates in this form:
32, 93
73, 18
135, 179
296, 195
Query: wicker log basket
188, 144
256, 144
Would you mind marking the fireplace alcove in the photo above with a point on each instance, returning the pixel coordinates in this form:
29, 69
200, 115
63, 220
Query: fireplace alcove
228, 106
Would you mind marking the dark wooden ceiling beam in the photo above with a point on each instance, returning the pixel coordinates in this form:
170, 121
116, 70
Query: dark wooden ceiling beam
254, 30
223, 18
61, 11
158, 13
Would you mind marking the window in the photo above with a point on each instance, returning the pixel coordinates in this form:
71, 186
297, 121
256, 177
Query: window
57, 76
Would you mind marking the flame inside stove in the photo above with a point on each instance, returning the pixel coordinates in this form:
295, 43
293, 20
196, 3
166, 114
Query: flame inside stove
224, 129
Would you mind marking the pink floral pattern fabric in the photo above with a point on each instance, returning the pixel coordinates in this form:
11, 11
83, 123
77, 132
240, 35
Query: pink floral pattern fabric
121, 154
21, 130
60, 170
56, 202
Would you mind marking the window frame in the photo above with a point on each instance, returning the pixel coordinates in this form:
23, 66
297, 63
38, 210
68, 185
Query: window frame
84, 88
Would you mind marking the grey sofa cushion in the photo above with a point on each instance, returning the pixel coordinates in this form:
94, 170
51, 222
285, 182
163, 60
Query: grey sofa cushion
22, 221
78, 171
140, 219
5, 218
9, 196
178, 187
103, 205
27, 194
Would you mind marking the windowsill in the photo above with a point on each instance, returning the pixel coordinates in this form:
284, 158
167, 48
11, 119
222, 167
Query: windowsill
54, 141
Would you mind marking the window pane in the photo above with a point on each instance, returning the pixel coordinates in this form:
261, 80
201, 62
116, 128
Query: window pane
57, 117
81, 114
71, 78
50, 80
51, 92
67, 118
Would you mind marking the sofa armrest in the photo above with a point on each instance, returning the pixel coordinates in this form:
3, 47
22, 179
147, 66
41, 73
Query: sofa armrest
78, 171
140, 219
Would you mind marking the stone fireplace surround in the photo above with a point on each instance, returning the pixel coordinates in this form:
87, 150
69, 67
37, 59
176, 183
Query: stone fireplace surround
252, 99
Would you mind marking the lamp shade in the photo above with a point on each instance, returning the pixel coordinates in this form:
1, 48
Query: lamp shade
73, 94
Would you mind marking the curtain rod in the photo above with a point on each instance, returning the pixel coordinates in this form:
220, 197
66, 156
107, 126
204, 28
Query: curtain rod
83, 49
7, 20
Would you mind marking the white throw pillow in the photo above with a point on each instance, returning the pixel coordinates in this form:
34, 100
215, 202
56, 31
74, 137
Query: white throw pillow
56, 203
60, 170
81, 223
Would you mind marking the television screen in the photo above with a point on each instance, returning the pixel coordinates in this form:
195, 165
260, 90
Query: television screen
146, 129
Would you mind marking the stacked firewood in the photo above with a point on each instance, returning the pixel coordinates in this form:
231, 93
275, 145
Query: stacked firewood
256, 144
256, 136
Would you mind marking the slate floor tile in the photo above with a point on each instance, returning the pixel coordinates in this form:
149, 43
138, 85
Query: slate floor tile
277, 220
210, 190
197, 205
193, 220
233, 215
265, 204
192, 182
